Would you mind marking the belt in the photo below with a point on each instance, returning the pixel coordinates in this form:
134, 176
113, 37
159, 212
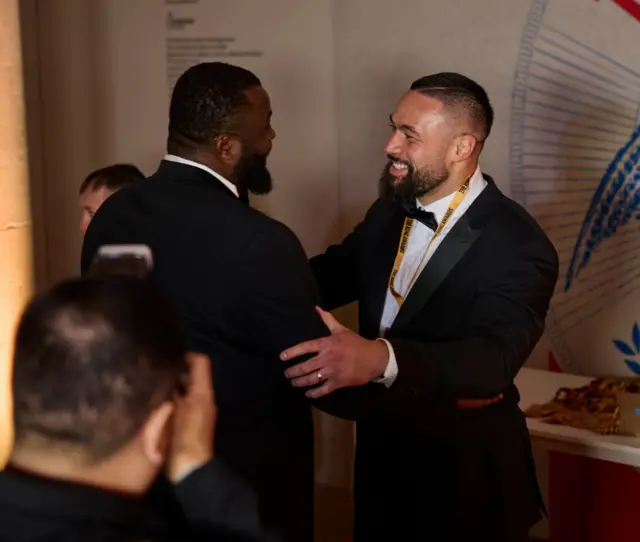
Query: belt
472, 404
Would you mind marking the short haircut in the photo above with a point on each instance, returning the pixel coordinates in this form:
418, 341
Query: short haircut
461, 93
206, 101
112, 177
93, 358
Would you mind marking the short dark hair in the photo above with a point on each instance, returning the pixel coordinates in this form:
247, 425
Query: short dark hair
112, 177
458, 91
206, 100
93, 358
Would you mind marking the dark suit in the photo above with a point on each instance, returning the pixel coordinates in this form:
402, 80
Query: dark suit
216, 508
425, 468
246, 291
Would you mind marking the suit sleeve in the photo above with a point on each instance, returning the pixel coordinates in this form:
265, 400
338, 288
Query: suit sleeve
336, 271
214, 501
283, 296
507, 321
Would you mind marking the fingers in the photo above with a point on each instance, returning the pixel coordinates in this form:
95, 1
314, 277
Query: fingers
200, 382
193, 436
320, 391
309, 347
329, 320
312, 365
313, 378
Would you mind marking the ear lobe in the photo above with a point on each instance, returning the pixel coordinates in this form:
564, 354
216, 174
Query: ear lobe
156, 433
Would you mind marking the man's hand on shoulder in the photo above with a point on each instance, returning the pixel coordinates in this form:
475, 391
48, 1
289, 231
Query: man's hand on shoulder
342, 360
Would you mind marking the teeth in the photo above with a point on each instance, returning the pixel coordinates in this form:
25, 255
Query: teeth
398, 165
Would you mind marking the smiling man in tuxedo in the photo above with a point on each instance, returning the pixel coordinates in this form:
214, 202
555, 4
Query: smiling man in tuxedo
453, 281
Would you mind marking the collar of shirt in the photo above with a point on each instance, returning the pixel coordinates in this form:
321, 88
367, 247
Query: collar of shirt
439, 207
179, 160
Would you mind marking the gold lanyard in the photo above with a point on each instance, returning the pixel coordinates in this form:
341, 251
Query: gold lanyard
404, 241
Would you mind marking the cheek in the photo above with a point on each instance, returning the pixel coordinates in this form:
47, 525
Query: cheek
432, 158
448, 154
418, 155
84, 221
265, 146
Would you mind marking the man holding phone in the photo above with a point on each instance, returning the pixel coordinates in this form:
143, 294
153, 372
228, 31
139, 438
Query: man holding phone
97, 368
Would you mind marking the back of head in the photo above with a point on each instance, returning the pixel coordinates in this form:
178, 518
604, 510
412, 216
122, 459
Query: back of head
112, 178
462, 96
205, 103
93, 358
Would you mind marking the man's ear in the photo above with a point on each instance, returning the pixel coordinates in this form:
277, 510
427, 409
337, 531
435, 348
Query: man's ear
156, 433
228, 148
464, 147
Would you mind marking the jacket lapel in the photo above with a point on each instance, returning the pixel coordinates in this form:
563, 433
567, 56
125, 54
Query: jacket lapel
452, 248
385, 254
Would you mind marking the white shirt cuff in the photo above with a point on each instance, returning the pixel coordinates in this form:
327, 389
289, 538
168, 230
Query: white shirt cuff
391, 371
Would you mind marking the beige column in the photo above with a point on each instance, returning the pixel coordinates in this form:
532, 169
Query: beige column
15, 220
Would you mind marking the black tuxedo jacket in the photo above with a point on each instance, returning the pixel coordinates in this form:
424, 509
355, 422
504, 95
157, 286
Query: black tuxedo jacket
468, 325
215, 507
245, 289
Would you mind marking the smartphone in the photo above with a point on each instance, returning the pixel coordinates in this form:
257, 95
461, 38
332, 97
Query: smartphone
135, 260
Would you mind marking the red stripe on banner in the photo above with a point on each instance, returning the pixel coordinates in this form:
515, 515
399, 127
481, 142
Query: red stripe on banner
553, 364
632, 7
591, 500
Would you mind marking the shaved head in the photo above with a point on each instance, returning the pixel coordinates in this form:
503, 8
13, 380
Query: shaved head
465, 101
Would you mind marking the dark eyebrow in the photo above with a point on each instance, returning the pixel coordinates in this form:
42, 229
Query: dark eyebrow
405, 128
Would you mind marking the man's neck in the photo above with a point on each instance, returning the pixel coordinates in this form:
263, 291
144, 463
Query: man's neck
450, 186
70, 466
204, 159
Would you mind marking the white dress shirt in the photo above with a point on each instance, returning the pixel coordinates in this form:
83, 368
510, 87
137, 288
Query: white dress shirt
179, 160
419, 238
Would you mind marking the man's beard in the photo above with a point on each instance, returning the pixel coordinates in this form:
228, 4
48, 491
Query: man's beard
251, 174
414, 185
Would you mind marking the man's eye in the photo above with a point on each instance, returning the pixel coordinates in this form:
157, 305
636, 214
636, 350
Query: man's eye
405, 134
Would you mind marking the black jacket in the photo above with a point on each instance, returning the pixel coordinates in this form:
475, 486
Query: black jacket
243, 283
215, 507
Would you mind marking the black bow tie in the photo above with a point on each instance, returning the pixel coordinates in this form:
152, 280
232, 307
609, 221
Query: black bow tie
426, 217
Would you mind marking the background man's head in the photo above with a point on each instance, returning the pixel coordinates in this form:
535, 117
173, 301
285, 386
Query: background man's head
221, 116
439, 128
100, 184
97, 363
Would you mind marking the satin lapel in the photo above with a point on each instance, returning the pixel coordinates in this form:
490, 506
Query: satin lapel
452, 248
383, 260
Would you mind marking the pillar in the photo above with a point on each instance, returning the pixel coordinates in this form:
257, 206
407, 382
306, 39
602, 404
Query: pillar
15, 216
